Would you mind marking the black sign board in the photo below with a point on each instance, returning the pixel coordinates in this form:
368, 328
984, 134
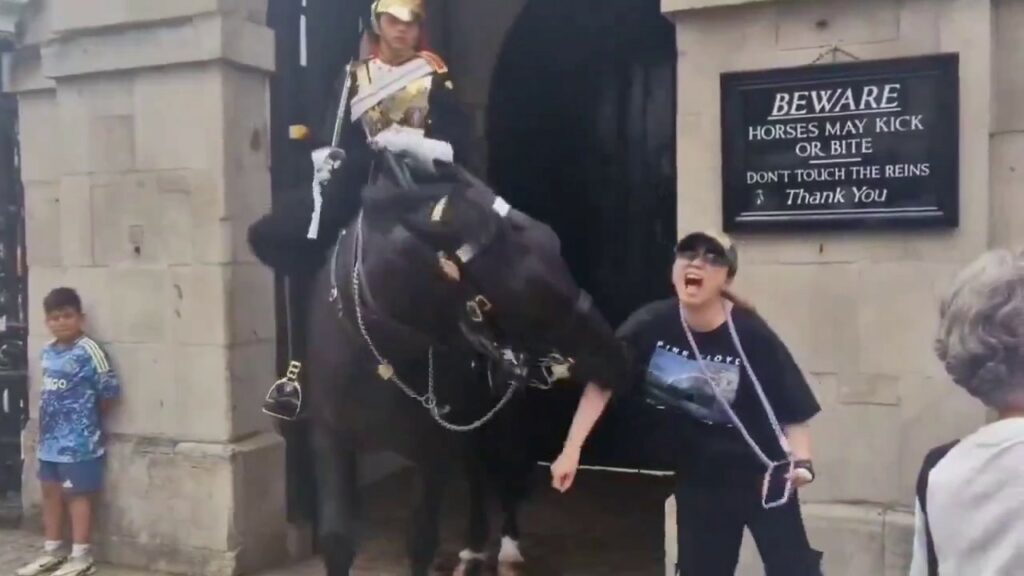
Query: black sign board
852, 145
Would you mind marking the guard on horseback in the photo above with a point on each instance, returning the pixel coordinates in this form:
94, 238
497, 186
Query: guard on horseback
400, 99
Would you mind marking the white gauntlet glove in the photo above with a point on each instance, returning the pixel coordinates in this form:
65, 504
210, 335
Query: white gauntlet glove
325, 161
411, 143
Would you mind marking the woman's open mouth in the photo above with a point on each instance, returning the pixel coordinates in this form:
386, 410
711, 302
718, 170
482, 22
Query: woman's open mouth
692, 283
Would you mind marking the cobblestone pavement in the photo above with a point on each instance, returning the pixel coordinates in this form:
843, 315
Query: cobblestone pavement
608, 525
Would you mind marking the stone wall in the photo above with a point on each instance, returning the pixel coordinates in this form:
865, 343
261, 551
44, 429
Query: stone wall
859, 310
145, 152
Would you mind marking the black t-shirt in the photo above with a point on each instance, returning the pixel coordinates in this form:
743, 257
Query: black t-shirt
660, 349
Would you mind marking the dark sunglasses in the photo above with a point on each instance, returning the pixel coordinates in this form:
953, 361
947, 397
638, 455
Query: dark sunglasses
711, 256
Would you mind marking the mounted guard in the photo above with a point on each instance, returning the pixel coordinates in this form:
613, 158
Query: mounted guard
401, 99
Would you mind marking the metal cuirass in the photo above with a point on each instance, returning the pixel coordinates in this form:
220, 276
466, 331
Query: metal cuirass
406, 107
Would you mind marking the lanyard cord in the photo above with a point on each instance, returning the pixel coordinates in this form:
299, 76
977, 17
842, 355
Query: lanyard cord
783, 442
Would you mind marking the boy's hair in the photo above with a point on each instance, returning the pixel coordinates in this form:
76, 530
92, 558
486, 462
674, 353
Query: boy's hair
59, 298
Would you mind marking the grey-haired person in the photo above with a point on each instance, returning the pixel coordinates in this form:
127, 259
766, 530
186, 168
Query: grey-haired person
970, 493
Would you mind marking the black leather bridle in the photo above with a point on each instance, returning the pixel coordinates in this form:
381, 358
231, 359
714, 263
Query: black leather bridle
477, 317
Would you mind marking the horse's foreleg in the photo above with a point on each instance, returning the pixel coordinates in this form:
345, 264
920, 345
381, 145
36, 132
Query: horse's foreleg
473, 557
514, 487
337, 489
510, 552
424, 536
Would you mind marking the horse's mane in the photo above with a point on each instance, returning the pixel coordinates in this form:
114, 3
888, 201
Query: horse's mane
385, 198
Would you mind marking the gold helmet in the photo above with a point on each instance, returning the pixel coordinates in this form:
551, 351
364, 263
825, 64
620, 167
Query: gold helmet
404, 10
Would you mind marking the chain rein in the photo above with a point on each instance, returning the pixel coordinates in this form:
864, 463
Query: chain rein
428, 400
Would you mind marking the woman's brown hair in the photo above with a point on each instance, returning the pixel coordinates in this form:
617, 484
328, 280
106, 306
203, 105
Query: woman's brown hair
737, 301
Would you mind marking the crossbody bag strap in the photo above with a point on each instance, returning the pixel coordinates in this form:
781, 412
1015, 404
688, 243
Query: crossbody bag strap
756, 383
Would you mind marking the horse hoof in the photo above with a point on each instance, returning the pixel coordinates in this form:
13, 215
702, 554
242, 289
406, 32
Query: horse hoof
510, 570
470, 563
510, 552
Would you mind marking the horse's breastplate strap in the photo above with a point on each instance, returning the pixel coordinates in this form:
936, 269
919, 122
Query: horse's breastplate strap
407, 107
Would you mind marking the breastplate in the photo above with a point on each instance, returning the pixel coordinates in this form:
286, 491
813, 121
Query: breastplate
407, 107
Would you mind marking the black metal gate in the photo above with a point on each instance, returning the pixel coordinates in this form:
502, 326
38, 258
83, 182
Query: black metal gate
13, 306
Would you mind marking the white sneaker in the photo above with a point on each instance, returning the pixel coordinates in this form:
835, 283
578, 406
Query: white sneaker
80, 566
42, 565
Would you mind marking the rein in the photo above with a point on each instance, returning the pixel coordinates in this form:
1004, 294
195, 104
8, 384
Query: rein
387, 372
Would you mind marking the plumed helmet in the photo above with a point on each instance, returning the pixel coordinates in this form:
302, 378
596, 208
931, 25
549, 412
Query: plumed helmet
404, 10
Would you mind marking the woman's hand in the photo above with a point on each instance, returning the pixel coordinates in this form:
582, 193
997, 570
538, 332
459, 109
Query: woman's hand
799, 436
563, 469
802, 473
800, 478
590, 408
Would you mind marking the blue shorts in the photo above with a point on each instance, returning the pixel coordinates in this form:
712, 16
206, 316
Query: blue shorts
84, 477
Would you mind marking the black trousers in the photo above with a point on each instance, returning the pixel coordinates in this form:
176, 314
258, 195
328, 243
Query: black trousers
715, 502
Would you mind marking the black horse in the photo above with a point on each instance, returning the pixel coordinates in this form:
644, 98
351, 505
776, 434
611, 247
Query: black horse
438, 304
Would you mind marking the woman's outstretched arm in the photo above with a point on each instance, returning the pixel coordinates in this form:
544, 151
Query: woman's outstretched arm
588, 411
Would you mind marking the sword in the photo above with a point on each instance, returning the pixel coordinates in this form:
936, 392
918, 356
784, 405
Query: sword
339, 122
322, 158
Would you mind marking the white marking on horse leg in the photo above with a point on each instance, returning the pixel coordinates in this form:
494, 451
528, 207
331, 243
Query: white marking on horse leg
468, 558
510, 553
468, 555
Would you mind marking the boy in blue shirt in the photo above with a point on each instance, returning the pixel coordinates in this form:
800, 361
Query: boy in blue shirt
78, 389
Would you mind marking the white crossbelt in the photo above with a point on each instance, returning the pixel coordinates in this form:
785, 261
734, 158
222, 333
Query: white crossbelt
388, 82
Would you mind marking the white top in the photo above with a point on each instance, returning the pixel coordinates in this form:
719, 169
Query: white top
976, 506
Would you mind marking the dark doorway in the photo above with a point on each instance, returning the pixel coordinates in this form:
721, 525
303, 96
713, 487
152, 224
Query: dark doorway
581, 131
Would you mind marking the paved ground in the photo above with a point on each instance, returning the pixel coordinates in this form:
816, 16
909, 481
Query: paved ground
19, 548
608, 525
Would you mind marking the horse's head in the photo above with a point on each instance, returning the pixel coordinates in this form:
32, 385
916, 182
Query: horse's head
507, 269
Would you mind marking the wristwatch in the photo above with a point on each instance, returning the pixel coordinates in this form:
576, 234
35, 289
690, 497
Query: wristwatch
805, 467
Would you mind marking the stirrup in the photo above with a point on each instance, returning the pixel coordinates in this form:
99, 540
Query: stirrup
284, 399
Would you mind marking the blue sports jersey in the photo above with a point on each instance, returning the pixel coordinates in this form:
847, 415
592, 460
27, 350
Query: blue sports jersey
75, 378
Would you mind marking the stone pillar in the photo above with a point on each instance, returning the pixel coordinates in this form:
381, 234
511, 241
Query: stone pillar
859, 310
1008, 123
145, 148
